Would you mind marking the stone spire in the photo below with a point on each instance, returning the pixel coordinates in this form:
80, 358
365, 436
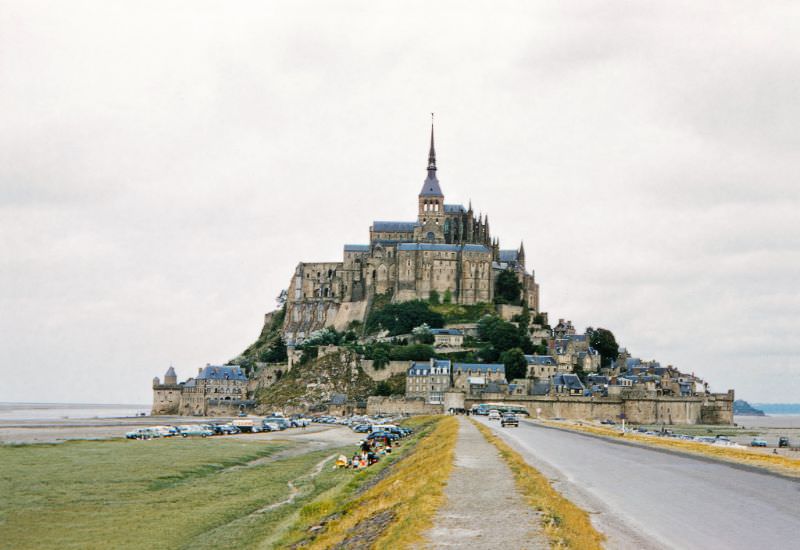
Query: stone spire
432, 152
430, 188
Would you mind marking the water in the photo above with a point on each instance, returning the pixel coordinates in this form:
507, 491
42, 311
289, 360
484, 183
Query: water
771, 421
62, 411
778, 408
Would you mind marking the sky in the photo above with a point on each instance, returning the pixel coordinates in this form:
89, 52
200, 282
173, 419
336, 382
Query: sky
165, 165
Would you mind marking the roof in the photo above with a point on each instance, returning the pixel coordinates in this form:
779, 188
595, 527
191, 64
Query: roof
450, 331
508, 255
394, 226
454, 208
222, 373
424, 368
170, 372
481, 367
356, 248
571, 381
430, 187
540, 360
443, 247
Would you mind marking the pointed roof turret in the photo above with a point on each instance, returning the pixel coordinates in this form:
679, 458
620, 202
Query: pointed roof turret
430, 188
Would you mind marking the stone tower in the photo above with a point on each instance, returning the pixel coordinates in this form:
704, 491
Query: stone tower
431, 214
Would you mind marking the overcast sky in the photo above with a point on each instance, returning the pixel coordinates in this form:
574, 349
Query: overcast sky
165, 165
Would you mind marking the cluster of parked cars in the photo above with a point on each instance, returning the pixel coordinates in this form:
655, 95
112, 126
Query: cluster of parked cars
240, 425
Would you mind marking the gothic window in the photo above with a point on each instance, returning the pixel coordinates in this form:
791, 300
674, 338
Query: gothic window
430, 236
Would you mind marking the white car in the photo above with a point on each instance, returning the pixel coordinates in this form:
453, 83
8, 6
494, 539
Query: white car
494, 414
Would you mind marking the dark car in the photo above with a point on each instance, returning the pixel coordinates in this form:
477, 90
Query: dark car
783, 441
381, 435
362, 428
509, 419
225, 429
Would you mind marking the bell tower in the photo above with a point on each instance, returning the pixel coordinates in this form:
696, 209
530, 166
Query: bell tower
431, 198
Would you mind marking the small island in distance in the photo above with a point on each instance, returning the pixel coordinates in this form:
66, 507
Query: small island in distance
743, 408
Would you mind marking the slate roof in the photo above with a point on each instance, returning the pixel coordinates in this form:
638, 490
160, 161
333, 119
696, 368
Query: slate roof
222, 373
170, 372
508, 255
443, 247
454, 208
540, 360
480, 367
430, 187
394, 226
424, 368
571, 381
356, 248
450, 331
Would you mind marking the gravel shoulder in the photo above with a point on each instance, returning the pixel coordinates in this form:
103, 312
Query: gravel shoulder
483, 509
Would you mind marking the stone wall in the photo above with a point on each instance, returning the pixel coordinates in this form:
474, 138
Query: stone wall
166, 399
708, 409
379, 375
401, 405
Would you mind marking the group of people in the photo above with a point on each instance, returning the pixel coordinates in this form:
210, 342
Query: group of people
368, 454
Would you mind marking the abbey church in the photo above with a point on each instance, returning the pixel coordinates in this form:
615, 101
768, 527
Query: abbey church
447, 249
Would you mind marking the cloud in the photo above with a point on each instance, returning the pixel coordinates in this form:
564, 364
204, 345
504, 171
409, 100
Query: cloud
162, 170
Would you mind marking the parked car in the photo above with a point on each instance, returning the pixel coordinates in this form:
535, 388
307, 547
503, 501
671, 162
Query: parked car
247, 425
187, 431
270, 426
758, 442
362, 428
381, 435
166, 431
143, 433
280, 422
609, 422
509, 419
226, 429
494, 414
783, 441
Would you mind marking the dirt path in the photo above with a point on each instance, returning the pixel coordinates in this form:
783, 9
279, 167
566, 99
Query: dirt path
483, 510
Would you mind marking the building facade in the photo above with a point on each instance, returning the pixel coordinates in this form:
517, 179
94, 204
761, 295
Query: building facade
448, 250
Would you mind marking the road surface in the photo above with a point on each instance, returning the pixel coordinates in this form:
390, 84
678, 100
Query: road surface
643, 498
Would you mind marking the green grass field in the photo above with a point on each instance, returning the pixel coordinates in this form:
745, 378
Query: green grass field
175, 493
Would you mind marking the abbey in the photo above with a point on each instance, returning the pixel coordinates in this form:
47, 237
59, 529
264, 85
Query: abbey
447, 249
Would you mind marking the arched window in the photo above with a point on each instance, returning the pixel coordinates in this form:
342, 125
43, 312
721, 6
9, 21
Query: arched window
430, 236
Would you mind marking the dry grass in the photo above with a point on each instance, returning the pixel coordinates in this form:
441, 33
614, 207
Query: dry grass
749, 457
564, 524
410, 494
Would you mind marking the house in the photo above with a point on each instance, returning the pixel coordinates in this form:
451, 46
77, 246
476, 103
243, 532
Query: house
429, 380
568, 384
541, 366
447, 337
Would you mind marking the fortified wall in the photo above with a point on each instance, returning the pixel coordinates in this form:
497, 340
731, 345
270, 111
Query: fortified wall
716, 408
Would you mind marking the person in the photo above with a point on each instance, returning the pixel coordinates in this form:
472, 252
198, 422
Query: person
365, 446
356, 461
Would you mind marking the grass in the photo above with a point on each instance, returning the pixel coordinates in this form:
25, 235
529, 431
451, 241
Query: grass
457, 313
564, 524
403, 501
745, 456
194, 493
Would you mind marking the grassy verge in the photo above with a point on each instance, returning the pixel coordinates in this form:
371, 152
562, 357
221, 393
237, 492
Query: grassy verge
745, 456
384, 508
180, 493
564, 524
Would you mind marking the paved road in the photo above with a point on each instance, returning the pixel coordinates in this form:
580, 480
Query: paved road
643, 498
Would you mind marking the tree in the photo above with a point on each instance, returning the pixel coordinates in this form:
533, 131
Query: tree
604, 342
507, 288
422, 334
401, 317
433, 297
515, 362
275, 352
502, 335
448, 297
383, 389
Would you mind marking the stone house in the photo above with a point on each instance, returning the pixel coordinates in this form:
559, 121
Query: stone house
447, 337
428, 380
